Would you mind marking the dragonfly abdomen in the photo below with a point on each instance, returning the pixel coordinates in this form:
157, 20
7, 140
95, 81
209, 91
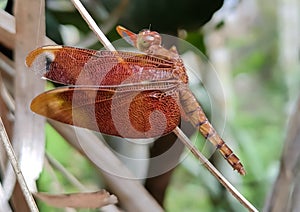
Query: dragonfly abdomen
207, 130
196, 116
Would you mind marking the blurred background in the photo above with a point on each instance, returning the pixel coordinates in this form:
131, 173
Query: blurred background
254, 48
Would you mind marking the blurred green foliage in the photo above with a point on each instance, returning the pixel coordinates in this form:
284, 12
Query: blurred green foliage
53, 181
3, 4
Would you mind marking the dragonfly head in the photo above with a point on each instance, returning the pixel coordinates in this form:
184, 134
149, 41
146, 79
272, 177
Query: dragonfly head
146, 39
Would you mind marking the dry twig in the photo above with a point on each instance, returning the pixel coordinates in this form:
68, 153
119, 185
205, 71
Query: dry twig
185, 140
14, 162
57, 165
93, 26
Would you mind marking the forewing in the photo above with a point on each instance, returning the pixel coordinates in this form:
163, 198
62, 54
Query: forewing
75, 66
124, 113
127, 35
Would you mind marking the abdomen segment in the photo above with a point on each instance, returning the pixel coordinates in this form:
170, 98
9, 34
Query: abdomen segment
196, 116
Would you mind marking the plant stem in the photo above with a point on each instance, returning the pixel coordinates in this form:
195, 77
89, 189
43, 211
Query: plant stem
93, 26
14, 162
185, 140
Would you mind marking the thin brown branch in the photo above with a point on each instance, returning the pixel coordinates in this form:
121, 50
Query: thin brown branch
91, 200
108, 24
185, 140
65, 172
14, 162
93, 26
115, 15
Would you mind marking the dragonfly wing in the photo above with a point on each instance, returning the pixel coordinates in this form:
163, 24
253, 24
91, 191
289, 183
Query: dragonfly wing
125, 113
75, 66
127, 35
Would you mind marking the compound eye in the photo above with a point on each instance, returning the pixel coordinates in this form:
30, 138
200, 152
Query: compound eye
148, 39
156, 38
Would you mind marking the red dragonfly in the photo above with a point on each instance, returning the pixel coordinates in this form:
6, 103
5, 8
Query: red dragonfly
120, 93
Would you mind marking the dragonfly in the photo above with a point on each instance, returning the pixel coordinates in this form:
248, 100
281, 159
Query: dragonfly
122, 93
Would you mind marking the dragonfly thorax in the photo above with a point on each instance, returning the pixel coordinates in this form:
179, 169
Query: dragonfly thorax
179, 72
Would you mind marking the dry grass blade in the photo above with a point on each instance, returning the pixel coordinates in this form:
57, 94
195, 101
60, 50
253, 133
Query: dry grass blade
14, 162
93, 200
29, 138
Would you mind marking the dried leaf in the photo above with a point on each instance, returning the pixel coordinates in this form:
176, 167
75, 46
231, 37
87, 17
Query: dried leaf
78, 200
